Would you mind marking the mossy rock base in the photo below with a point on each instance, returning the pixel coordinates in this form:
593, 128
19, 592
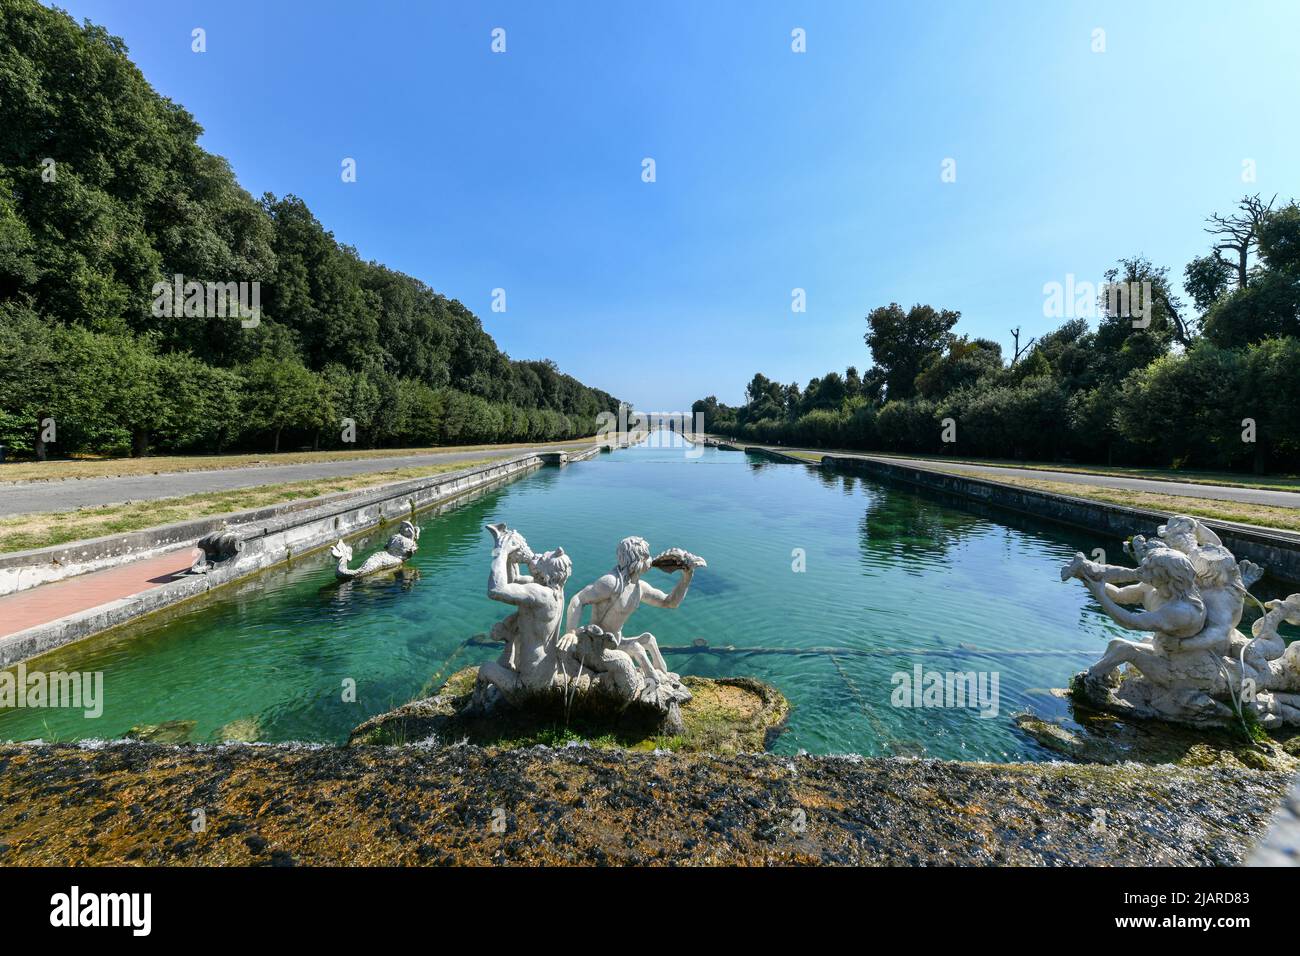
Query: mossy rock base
244, 730
1080, 732
724, 715
168, 732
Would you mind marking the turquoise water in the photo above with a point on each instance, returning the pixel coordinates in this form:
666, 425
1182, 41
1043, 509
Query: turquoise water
892, 579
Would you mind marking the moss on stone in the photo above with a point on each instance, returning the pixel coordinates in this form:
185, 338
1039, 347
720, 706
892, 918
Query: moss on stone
1080, 732
168, 732
724, 715
65, 805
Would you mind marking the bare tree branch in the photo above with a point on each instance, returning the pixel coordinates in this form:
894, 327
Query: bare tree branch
1018, 351
1241, 230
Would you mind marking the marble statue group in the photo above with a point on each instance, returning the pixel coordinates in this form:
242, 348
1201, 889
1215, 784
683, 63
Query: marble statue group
1188, 592
548, 649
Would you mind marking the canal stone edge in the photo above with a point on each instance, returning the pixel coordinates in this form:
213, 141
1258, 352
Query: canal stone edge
271, 536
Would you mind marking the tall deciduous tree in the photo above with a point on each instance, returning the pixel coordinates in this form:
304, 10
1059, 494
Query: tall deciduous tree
104, 191
902, 343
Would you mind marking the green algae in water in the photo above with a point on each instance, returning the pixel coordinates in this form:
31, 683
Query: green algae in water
891, 579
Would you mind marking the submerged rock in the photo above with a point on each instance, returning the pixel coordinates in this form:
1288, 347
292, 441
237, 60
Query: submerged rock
245, 730
168, 732
724, 715
1080, 732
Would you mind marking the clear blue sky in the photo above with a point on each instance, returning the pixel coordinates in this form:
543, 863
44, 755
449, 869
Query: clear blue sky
775, 170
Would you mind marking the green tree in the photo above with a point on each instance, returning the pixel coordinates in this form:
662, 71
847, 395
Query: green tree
1267, 308
285, 395
963, 363
200, 406
1185, 410
909, 426
105, 192
29, 364
902, 343
1279, 239
1270, 399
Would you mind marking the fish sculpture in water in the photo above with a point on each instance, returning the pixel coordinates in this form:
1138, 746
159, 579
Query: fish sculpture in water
400, 548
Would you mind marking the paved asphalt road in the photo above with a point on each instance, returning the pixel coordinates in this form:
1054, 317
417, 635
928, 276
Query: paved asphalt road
1254, 496
66, 495
17, 498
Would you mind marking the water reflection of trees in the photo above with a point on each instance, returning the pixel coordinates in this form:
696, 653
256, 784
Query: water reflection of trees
845, 481
900, 527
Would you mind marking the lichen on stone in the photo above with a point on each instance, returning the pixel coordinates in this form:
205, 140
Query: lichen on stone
724, 715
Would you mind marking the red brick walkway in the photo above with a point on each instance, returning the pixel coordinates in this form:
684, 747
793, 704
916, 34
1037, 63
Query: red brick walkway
49, 602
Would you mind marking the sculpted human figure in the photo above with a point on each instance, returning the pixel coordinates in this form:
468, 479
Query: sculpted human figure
1174, 611
529, 660
614, 596
1197, 667
1220, 579
1199, 542
538, 657
1180, 682
1181, 533
1220, 584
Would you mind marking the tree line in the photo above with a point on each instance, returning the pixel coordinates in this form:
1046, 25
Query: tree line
1209, 384
104, 193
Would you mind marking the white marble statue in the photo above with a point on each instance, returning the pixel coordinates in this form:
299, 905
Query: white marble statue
1271, 664
1196, 667
541, 655
613, 597
530, 660
400, 548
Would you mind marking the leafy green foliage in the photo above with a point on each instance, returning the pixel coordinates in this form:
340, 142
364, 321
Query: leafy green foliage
104, 192
1156, 394
1267, 308
903, 343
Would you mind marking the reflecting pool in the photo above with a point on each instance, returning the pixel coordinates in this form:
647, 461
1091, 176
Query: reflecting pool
830, 587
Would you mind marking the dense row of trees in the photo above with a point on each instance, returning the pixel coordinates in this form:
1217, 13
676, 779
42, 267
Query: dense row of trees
104, 192
1211, 385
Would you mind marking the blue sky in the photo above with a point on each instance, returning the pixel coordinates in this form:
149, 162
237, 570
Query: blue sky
774, 170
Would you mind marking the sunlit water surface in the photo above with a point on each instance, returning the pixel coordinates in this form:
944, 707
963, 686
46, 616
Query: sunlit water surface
890, 579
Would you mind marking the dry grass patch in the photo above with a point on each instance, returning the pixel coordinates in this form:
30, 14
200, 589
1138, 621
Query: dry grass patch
1218, 478
47, 529
1266, 516
169, 464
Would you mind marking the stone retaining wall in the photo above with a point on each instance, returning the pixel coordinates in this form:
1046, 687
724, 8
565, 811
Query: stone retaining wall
1277, 551
20, 570
777, 456
64, 805
270, 536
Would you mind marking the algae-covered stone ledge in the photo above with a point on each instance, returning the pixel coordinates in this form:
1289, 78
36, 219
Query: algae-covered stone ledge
134, 803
